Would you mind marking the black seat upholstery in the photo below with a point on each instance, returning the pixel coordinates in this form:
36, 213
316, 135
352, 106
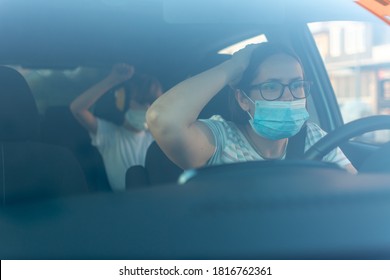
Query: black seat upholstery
59, 127
137, 177
30, 169
159, 169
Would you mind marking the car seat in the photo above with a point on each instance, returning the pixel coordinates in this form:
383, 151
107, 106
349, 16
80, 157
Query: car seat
158, 170
137, 177
59, 127
30, 169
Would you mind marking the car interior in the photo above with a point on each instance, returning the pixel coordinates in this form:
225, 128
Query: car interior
56, 202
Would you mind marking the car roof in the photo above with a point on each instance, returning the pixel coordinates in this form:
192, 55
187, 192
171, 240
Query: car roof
91, 32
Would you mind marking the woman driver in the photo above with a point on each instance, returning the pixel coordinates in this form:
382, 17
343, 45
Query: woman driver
270, 95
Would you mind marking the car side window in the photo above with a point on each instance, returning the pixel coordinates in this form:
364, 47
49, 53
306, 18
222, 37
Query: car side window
357, 58
58, 87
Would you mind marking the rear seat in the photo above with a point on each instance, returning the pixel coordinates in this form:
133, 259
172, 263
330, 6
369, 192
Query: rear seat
59, 127
29, 169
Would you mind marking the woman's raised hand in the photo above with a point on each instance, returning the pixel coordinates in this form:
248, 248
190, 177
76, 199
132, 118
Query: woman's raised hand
241, 59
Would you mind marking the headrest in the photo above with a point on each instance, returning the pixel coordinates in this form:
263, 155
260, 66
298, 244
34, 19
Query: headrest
19, 118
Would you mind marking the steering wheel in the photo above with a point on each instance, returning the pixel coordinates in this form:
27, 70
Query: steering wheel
344, 133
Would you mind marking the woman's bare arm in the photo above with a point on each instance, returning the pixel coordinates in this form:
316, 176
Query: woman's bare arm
172, 118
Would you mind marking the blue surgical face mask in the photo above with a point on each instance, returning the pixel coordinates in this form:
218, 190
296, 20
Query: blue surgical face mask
276, 120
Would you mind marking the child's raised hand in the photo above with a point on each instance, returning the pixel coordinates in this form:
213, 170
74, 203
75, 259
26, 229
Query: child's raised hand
122, 72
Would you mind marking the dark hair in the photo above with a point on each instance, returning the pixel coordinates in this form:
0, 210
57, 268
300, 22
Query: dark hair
259, 55
143, 88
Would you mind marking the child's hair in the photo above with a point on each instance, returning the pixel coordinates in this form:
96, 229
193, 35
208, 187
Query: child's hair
259, 55
143, 88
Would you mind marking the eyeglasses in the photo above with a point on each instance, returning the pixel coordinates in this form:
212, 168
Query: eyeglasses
274, 90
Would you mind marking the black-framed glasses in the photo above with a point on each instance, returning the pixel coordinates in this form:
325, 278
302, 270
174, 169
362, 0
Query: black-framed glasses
274, 90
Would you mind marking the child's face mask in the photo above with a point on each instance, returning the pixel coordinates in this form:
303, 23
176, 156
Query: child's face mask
276, 120
137, 119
